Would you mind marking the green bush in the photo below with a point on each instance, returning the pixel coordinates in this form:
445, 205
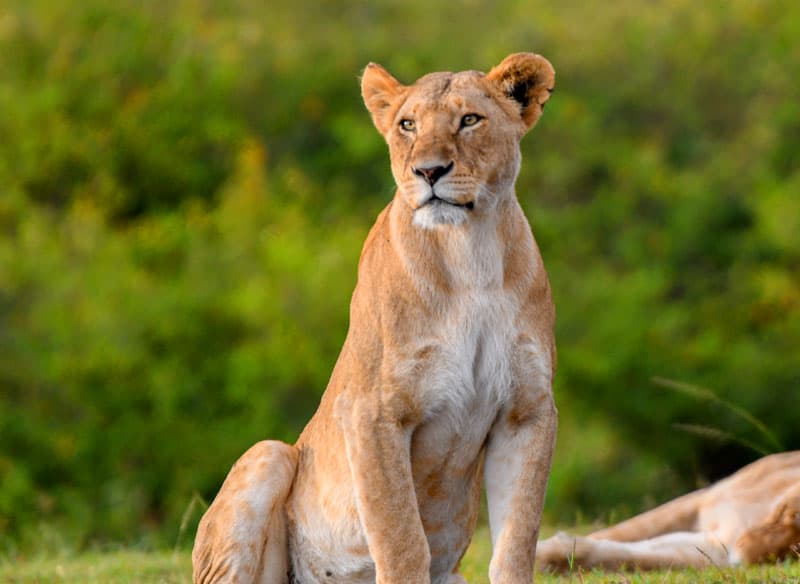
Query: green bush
185, 187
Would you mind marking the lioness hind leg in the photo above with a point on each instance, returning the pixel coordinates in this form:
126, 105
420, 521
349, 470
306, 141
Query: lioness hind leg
242, 536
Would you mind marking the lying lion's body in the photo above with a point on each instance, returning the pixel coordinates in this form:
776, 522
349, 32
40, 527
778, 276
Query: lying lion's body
749, 517
445, 375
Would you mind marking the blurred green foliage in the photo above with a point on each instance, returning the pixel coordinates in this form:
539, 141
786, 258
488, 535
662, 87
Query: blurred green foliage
185, 187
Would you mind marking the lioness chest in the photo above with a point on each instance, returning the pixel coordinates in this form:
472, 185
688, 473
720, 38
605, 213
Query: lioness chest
465, 376
461, 369
468, 379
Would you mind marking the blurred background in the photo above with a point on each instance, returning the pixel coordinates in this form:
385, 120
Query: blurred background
185, 187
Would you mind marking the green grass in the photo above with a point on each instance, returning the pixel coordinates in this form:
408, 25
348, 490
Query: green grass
121, 567
124, 567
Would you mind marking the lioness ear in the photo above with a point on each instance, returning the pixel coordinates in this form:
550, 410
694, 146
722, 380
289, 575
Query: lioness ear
527, 79
380, 92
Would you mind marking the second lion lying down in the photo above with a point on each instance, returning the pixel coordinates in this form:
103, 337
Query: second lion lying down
752, 516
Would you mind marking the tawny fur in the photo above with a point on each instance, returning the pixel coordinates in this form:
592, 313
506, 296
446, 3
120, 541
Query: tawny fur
752, 516
444, 380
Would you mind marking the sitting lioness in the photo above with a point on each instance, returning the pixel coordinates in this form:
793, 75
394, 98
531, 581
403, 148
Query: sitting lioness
444, 380
752, 516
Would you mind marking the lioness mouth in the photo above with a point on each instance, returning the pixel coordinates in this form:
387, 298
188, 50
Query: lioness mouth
434, 200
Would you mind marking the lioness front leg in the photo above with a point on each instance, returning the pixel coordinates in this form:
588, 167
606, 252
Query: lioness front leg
378, 444
518, 457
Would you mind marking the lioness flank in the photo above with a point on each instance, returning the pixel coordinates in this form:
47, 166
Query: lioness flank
444, 380
752, 516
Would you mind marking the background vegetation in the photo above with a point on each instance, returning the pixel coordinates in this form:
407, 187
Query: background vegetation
185, 187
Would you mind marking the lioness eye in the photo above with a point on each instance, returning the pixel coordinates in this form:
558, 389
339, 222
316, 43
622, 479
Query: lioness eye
470, 120
408, 125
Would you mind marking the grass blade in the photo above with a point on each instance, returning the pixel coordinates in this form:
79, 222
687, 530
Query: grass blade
705, 394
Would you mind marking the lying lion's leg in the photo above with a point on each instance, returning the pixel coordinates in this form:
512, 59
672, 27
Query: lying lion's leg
242, 536
677, 515
563, 552
775, 536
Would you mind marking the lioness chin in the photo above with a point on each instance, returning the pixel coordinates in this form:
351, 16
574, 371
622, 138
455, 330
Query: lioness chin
444, 380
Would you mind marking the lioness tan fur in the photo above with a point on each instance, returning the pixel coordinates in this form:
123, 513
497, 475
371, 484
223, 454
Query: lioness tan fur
752, 516
445, 376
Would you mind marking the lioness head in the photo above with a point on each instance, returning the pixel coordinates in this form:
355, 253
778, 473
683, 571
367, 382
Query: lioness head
454, 137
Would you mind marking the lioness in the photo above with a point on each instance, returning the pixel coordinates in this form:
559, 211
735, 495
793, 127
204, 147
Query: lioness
445, 375
751, 516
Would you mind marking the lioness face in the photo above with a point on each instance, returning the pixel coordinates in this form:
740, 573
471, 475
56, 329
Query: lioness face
454, 150
454, 137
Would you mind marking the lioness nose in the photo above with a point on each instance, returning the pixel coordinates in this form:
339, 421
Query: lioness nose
433, 173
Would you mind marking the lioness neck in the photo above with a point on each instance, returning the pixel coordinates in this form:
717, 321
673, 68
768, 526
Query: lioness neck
473, 255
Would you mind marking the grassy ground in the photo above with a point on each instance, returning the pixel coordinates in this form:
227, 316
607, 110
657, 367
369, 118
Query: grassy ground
106, 568
128, 567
